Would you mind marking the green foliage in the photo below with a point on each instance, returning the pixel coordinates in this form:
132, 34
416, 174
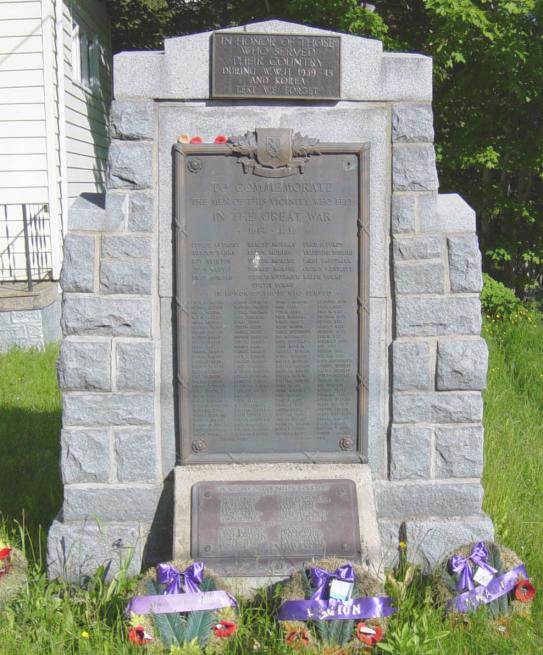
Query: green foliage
497, 300
418, 636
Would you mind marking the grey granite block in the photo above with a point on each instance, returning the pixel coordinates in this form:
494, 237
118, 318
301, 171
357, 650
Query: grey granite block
132, 119
79, 263
434, 316
102, 409
412, 123
459, 452
84, 366
419, 277
453, 214
461, 364
84, 456
125, 277
403, 213
118, 247
437, 407
131, 164
140, 217
414, 168
417, 247
409, 452
411, 365
110, 502
135, 366
465, 268
135, 452
85, 315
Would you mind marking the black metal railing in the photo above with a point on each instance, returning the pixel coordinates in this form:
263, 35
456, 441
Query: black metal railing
25, 244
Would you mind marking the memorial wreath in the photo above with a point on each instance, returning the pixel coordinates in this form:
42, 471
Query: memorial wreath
333, 603
13, 570
182, 603
484, 574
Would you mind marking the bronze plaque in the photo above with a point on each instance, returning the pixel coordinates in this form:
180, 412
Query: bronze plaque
294, 66
270, 528
271, 288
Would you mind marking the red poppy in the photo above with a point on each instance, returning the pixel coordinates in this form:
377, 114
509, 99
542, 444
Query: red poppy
5, 553
221, 139
524, 591
224, 629
137, 635
369, 635
298, 637
196, 139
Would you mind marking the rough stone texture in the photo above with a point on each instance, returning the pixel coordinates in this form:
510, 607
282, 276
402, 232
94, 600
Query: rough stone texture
135, 453
107, 409
403, 213
429, 542
465, 270
402, 501
135, 366
85, 456
117, 209
411, 365
84, 366
437, 316
76, 549
126, 277
118, 247
419, 277
461, 364
459, 452
452, 214
412, 123
410, 452
419, 247
132, 119
30, 328
106, 316
414, 168
140, 217
130, 164
437, 407
79, 262
116, 502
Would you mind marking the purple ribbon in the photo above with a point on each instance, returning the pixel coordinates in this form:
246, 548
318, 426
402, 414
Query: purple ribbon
322, 608
463, 566
503, 584
182, 593
176, 582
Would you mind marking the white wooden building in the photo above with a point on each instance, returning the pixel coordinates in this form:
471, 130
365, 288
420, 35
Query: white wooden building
55, 91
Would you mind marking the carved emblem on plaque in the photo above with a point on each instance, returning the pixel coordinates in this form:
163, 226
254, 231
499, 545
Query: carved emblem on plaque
271, 152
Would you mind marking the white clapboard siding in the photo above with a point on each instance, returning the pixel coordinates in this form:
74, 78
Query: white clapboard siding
23, 179
32, 195
87, 110
12, 44
22, 112
27, 95
29, 146
23, 162
10, 79
21, 129
21, 9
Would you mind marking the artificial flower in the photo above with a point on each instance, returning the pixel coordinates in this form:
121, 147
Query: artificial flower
298, 637
5, 553
184, 138
224, 629
221, 138
137, 635
369, 635
524, 591
196, 139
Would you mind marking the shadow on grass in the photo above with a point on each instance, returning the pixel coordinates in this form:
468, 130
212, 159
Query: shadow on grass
30, 485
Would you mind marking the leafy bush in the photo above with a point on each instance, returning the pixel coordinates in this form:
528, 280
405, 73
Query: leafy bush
497, 300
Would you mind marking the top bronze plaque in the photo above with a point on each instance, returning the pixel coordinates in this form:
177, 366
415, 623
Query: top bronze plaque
293, 66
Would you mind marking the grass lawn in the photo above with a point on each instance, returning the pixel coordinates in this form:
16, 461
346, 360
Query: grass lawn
53, 618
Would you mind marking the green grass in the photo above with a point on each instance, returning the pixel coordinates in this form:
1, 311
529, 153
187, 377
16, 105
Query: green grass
51, 617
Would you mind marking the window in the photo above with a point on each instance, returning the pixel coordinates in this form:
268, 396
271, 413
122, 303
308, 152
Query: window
85, 57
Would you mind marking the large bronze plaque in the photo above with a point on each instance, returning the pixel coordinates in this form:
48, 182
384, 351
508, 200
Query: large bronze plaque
271, 287
269, 528
294, 66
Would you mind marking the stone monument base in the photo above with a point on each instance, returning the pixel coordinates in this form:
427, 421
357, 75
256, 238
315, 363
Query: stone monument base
187, 476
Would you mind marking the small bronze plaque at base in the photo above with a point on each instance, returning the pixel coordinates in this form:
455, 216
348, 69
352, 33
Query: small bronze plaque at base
270, 528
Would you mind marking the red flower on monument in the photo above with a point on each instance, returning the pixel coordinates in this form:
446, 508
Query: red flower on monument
137, 635
221, 139
5, 553
298, 638
224, 629
196, 139
524, 591
369, 635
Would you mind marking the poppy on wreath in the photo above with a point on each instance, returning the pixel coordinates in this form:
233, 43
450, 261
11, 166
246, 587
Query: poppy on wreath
5, 553
137, 635
369, 635
224, 629
196, 139
221, 138
298, 637
524, 591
